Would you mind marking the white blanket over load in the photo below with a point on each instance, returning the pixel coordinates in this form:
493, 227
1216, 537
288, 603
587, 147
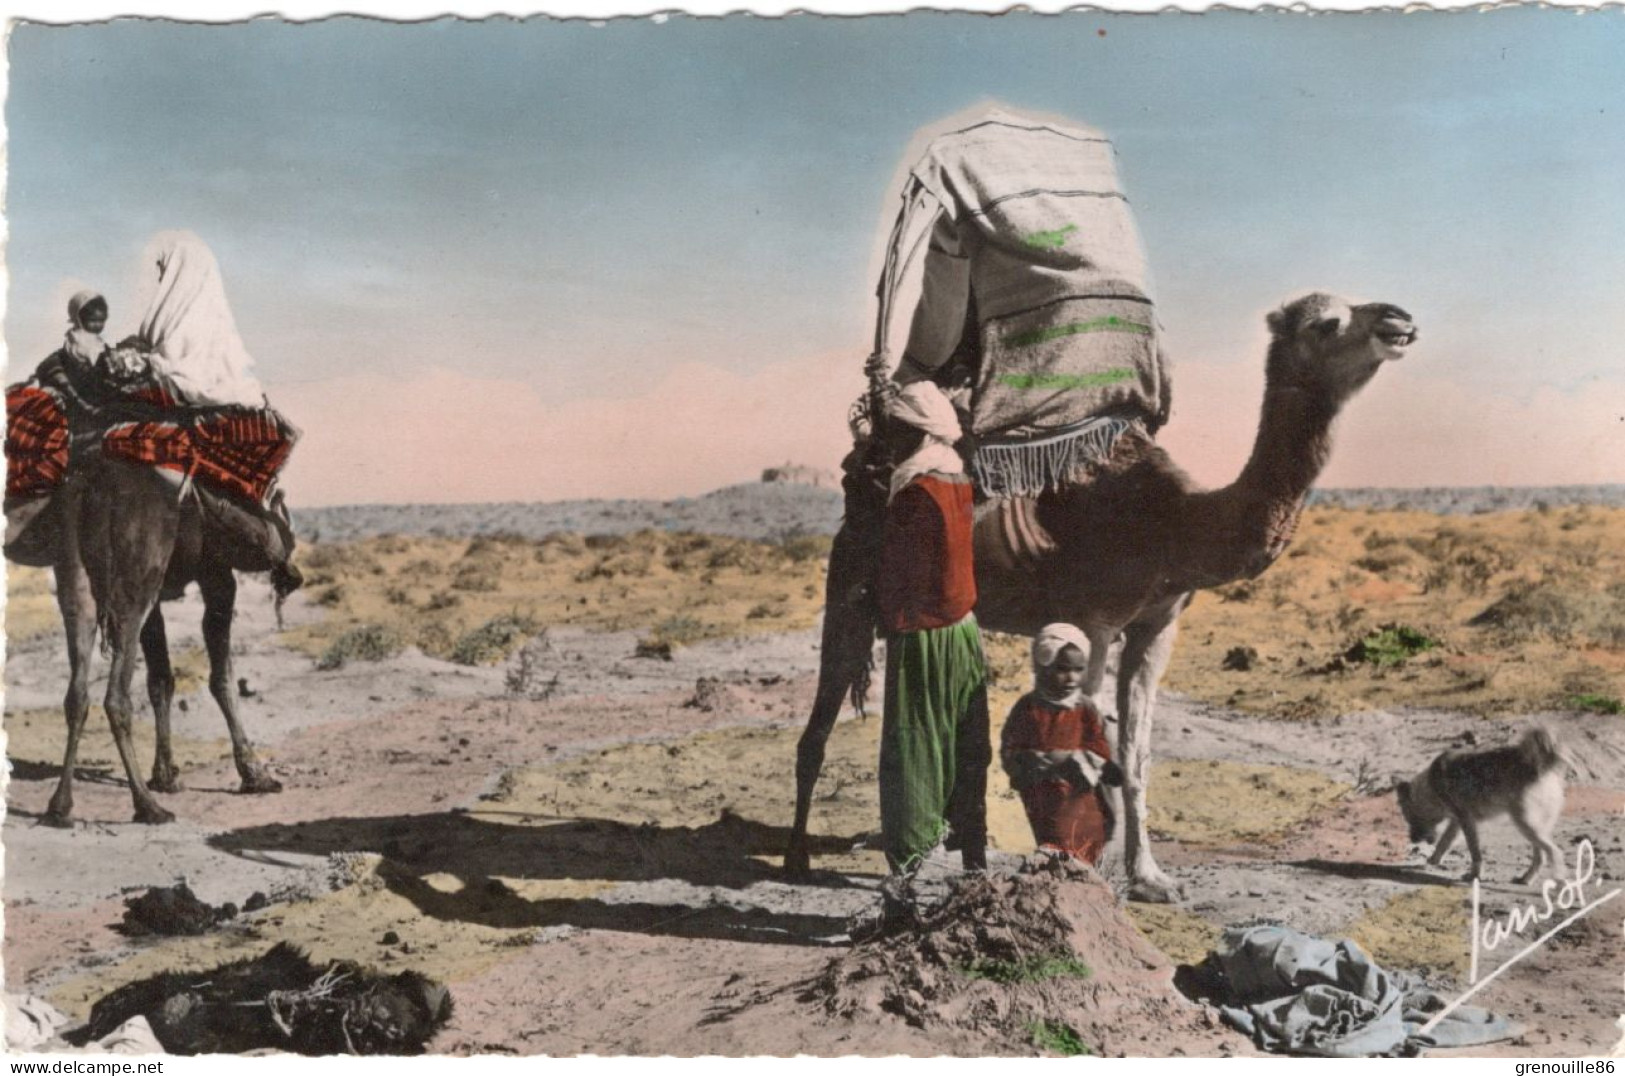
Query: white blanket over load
1032, 263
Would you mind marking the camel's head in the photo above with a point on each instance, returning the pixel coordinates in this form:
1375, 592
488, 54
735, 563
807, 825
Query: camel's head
1326, 345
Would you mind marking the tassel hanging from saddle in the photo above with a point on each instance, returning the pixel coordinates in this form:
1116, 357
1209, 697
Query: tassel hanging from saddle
866, 485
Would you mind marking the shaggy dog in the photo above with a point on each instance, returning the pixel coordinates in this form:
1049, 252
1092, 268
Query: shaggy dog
1464, 788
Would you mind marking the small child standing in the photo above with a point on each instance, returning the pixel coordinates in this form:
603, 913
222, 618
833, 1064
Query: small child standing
1055, 751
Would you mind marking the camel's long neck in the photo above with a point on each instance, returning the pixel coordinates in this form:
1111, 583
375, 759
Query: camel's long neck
1242, 528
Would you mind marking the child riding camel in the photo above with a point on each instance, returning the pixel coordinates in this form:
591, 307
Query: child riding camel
934, 748
187, 354
1055, 752
74, 370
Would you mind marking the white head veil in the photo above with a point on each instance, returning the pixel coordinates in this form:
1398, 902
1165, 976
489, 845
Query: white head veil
197, 352
925, 407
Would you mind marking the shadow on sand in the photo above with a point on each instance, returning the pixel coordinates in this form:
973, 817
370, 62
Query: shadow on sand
480, 850
1380, 872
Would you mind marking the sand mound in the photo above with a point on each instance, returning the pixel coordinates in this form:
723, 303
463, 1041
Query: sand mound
1041, 959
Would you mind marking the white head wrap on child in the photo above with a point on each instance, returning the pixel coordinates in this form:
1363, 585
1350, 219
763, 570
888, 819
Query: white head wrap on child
924, 406
188, 324
1054, 638
1047, 647
80, 342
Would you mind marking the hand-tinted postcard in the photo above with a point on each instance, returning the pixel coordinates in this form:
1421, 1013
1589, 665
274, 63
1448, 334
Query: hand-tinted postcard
1071, 534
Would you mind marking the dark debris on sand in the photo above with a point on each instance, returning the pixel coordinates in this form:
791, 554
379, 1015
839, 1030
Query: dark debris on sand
172, 910
279, 1001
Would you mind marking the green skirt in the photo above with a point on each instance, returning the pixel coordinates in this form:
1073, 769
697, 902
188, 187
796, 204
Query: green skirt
934, 747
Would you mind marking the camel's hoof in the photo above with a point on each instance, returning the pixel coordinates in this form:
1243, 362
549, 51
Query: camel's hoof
797, 863
1149, 892
154, 816
164, 781
260, 783
55, 819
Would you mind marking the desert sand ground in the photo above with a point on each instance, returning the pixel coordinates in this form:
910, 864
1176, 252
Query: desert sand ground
555, 772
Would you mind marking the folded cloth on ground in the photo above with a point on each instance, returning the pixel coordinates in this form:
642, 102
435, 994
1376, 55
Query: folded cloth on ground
1031, 253
1296, 993
36, 1025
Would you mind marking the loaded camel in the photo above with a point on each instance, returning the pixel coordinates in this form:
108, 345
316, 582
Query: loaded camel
1127, 546
127, 540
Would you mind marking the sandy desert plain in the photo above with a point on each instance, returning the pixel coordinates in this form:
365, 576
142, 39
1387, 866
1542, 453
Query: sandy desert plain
545, 754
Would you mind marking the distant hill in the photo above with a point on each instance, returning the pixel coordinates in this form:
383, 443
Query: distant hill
778, 509
751, 510
1471, 500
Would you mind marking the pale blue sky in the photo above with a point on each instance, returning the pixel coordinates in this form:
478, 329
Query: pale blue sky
578, 208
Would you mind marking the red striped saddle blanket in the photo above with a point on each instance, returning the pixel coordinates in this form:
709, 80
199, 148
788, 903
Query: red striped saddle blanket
238, 451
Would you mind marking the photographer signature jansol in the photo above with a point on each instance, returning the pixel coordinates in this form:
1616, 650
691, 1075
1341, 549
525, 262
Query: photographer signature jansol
1488, 935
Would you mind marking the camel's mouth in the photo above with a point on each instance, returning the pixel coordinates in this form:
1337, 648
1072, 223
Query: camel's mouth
1395, 335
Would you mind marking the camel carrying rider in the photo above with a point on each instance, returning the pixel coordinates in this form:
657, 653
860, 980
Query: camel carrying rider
177, 395
935, 748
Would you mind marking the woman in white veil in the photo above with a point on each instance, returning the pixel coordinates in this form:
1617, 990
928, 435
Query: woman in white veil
194, 347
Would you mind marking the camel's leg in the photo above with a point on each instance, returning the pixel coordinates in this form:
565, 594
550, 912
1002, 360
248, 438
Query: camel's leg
219, 588
832, 691
1147, 646
79, 621
1094, 677
161, 692
1094, 689
848, 641
124, 638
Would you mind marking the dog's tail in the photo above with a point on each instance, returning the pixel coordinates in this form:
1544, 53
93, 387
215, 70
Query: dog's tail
1542, 751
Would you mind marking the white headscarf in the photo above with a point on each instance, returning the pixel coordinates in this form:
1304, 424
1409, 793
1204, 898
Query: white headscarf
80, 342
924, 406
1047, 646
188, 324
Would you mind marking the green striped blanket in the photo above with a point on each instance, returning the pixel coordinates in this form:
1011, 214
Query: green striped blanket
1033, 259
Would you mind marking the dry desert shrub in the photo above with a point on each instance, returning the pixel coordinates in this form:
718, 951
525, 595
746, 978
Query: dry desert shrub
341, 560
563, 545
1560, 612
435, 639
494, 641
1519, 603
480, 579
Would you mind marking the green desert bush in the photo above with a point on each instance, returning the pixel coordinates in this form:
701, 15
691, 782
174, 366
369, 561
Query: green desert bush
1031, 969
364, 642
1391, 644
1057, 1038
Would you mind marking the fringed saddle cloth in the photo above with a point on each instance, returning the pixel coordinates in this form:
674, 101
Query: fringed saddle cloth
238, 451
1032, 269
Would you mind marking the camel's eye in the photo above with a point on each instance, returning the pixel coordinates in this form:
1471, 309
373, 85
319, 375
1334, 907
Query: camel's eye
1328, 326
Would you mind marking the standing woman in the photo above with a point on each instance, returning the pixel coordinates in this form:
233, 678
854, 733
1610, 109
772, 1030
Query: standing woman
934, 749
188, 331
